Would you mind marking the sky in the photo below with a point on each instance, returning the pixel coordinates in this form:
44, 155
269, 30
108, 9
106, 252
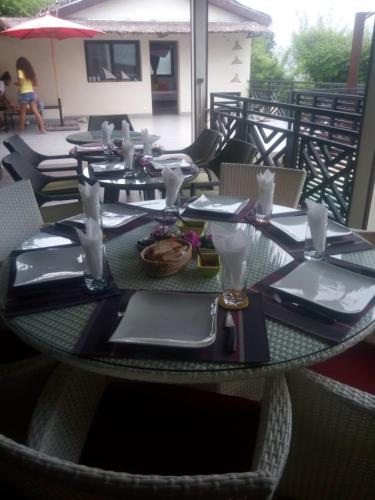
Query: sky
284, 13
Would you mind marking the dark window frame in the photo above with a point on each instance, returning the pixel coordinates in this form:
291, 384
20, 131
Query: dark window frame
111, 43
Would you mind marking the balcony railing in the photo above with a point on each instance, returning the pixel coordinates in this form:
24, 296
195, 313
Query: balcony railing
323, 140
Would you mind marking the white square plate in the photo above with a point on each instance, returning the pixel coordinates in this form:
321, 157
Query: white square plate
295, 227
45, 265
104, 167
150, 204
328, 286
168, 319
44, 240
219, 204
113, 216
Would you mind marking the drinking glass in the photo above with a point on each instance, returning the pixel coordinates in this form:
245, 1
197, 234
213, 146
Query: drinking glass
234, 275
95, 270
315, 251
262, 216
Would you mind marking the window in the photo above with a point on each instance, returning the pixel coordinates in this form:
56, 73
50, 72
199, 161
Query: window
112, 61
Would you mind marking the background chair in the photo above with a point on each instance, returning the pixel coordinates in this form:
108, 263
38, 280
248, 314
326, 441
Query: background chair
15, 144
241, 180
65, 416
46, 188
203, 148
332, 452
95, 121
235, 151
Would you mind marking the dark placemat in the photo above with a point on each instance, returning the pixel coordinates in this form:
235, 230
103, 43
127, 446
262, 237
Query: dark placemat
342, 244
242, 216
334, 332
251, 329
51, 295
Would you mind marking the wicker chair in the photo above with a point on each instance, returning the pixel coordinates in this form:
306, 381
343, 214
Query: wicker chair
47, 188
235, 151
332, 452
203, 148
241, 180
15, 144
61, 421
95, 121
22, 370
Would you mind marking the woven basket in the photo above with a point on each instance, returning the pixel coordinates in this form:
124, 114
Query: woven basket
159, 269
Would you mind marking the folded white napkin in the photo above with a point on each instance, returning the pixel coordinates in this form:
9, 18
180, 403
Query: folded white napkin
128, 153
317, 219
173, 180
107, 129
266, 187
92, 245
148, 140
90, 196
231, 243
125, 130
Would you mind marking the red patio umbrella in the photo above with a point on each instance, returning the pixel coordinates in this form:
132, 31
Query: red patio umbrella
54, 28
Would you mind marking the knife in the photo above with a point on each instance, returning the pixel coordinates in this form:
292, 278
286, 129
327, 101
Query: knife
231, 333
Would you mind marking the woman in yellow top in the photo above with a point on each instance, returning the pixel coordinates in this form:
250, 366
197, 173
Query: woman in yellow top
26, 81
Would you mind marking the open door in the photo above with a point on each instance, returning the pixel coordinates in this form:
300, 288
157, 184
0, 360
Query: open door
163, 61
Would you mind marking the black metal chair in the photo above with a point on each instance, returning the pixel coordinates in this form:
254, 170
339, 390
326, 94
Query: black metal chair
95, 121
235, 151
15, 144
203, 148
46, 188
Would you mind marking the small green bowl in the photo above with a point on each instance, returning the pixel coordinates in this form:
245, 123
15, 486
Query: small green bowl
198, 226
211, 264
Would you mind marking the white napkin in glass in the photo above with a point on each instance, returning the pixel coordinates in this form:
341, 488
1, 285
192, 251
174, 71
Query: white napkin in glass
90, 196
92, 245
128, 153
317, 219
148, 140
173, 180
266, 187
107, 129
125, 130
231, 243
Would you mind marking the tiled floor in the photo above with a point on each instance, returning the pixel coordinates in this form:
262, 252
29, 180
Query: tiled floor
174, 132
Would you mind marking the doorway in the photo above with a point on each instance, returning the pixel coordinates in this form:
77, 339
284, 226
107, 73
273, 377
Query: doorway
164, 85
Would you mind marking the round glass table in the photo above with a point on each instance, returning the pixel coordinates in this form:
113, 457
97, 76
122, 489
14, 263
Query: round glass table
56, 332
82, 138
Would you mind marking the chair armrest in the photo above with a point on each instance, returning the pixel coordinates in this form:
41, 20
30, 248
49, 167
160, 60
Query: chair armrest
56, 157
173, 151
51, 178
63, 168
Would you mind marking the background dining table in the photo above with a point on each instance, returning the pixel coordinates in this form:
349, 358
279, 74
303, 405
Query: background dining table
57, 331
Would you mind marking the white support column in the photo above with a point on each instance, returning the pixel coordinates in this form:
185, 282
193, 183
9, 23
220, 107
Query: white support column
362, 208
199, 50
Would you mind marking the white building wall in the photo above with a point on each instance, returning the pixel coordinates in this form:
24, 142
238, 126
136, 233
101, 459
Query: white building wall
146, 10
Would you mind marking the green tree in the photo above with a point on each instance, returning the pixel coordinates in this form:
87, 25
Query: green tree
20, 8
321, 53
264, 62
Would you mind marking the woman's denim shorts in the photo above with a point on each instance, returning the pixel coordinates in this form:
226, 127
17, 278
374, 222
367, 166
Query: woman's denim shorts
27, 97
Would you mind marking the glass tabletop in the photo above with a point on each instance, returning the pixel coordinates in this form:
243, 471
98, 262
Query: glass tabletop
57, 332
80, 138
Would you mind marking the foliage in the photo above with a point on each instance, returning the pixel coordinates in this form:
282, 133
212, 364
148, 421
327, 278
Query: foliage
21, 8
264, 62
321, 53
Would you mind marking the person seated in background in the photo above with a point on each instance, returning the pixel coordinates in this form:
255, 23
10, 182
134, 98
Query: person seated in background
5, 80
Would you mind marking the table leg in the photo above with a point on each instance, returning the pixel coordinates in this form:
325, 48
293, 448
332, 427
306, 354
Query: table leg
111, 194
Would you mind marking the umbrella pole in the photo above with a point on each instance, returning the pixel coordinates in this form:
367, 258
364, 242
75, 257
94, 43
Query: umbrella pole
56, 81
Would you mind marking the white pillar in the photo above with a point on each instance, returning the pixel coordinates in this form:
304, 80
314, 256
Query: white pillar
362, 208
199, 49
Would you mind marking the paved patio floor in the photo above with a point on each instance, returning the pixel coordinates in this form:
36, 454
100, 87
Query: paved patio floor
174, 132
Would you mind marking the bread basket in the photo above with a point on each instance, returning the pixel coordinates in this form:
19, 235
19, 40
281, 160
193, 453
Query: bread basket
166, 266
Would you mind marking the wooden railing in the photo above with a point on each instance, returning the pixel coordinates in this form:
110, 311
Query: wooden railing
320, 140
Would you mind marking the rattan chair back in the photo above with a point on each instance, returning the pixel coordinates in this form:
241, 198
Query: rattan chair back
15, 144
204, 147
241, 180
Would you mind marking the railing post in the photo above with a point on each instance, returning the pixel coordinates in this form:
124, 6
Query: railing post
293, 142
242, 129
212, 101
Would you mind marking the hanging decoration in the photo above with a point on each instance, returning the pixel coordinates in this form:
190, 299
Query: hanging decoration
237, 46
237, 60
235, 79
